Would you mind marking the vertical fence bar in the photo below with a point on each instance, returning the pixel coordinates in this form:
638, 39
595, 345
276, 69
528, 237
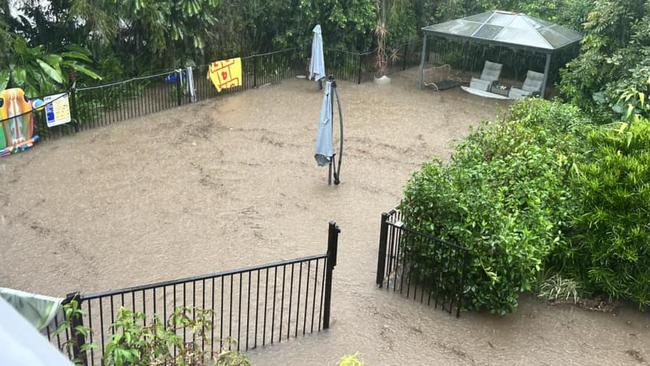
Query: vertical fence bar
179, 92
73, 108
383, 241
332, 248
461, 289
254, 58
78, 338
359, 69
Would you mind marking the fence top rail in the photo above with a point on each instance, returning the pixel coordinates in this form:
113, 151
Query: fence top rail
253, 56
401, 226
98, 295
373, 50
268, 53
127, 80
171, 71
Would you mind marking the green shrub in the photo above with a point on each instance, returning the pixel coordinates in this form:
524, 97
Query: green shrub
558, 288
609, 245
136, 344
504, 195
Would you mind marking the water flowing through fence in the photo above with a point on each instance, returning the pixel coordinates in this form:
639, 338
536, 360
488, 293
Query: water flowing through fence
437, 280
107, 103
252, 306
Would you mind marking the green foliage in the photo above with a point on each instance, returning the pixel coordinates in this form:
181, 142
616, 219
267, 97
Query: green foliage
571, 13
504, 195
346, 24
615, 57
557, 288
38, 72
609, 246
72, 312
136, 344
350, 360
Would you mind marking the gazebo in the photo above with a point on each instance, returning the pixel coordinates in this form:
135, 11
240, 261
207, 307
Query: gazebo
504, 29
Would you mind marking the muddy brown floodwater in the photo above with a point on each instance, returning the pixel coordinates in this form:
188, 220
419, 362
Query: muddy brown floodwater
232, 182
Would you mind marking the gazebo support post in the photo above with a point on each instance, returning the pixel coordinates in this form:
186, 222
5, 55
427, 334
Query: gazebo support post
547, 70
422, 59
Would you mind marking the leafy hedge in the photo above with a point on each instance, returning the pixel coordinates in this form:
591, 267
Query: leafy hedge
504, 195
608, 248
544, 191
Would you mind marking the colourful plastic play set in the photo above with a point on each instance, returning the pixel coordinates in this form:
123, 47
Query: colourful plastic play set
16, 121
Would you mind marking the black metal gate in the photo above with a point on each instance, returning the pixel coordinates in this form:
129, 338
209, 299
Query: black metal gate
400, 268
254, 306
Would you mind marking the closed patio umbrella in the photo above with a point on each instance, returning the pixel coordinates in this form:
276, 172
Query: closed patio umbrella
317, 61
324, 149
324, 140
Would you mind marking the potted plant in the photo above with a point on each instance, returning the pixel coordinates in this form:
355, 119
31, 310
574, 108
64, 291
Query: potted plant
394, 14
382, 57
381, 32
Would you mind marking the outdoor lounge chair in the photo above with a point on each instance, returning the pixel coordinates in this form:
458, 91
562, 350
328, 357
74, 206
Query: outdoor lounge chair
489, 76
439, 78
532, 86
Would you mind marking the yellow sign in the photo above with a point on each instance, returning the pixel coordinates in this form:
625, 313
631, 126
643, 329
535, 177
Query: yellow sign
225, 74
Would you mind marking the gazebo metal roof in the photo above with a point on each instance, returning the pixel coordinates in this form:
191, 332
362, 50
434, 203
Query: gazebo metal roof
508, 29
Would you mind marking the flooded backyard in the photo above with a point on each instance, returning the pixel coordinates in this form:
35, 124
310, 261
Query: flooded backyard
232, 182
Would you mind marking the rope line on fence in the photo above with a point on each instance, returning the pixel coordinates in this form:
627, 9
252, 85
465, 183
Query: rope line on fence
127, 81
99, 105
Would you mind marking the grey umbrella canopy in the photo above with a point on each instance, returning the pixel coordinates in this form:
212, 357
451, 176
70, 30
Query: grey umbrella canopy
317, 61
506, 29
324, 148
325, 138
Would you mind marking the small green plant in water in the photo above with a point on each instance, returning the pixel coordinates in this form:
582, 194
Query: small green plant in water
351, 360
72, 311
556, 288
158, 343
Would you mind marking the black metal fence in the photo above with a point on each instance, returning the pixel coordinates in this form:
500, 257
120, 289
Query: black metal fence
254, 306
359, 67
437, 279
101, 105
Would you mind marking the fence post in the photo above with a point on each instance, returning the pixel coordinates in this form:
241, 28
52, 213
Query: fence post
383, 243
190, 84
359, 69
404, 56
461, 289
179, 92
73, 107
332, 247
254, 74
78, 339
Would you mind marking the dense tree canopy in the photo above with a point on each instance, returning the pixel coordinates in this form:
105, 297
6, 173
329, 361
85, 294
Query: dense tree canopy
130, 37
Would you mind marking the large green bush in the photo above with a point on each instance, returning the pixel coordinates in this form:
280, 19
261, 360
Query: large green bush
615, 56
609, 244
504, 195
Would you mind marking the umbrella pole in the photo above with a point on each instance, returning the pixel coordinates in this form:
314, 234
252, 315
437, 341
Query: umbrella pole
329, 173
332, 169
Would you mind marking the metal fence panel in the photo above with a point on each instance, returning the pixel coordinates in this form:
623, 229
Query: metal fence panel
253, 306
399, 267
